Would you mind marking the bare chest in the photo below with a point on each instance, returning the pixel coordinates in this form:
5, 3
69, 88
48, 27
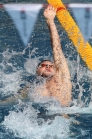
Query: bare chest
51, 88
54, 86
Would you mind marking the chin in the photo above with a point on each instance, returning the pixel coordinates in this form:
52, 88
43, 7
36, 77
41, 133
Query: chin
47, 75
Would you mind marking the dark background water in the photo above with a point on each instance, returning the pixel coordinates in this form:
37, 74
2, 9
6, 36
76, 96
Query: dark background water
10, 39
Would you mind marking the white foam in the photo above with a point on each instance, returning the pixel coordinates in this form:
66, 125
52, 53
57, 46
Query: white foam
24, 125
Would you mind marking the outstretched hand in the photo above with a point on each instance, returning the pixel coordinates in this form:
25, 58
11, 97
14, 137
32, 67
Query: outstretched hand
50, 12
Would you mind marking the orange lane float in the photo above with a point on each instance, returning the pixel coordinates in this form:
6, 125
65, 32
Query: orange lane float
73, 31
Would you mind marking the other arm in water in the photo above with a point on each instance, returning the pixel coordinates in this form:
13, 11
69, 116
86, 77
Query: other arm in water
21, 95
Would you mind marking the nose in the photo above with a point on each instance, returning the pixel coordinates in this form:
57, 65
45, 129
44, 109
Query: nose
47, 66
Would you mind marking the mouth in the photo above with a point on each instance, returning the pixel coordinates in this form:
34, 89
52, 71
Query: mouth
47, 70
47, 73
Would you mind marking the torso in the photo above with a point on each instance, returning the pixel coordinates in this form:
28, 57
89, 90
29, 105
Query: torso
56, 88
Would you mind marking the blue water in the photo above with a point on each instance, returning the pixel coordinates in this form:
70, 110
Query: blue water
40, 118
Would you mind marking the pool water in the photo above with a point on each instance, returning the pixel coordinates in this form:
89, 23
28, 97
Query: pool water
40, 118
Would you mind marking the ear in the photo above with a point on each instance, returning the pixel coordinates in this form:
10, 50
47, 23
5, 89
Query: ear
37, 72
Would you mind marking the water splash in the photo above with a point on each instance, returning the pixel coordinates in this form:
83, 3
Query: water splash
26, 125
23, 121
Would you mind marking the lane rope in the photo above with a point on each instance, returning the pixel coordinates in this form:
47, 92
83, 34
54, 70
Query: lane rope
73, 31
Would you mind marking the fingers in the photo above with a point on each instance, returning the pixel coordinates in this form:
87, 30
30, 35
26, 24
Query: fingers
50, 7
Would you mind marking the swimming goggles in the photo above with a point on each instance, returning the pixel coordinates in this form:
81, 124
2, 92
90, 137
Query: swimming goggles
46, 65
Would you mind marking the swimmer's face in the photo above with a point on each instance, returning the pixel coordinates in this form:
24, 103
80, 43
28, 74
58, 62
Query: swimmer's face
46, 69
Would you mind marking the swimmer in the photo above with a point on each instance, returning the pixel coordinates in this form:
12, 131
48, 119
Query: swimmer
57, 75
58, 82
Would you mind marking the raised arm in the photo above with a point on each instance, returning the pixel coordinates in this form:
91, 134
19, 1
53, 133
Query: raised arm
59, 59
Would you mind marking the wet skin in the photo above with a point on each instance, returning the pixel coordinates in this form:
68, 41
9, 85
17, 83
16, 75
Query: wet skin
47, 69
54, 87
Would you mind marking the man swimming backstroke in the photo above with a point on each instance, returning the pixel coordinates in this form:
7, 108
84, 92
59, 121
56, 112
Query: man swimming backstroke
58, 84
57, 75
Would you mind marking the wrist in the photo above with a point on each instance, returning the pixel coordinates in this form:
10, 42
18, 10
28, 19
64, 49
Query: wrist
50, 21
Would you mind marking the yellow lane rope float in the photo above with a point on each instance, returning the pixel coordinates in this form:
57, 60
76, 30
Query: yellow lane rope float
68, 23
